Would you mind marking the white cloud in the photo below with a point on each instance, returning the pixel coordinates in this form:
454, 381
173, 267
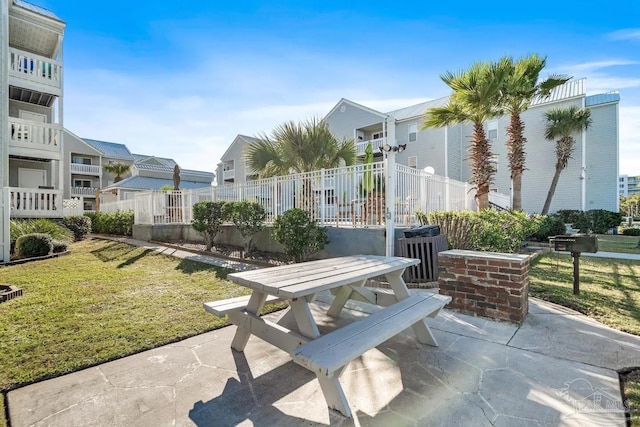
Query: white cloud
597, 65
626, 34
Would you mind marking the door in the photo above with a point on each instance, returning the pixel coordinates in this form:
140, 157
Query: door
31, 178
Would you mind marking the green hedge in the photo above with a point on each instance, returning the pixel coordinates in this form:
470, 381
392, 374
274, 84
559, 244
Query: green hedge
631, 231
117, 223
33, 245
300, 235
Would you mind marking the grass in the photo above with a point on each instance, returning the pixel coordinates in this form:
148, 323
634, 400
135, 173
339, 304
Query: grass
609, 289
609, 292
104, 301
622, 244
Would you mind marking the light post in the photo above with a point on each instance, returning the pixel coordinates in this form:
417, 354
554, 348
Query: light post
389, 153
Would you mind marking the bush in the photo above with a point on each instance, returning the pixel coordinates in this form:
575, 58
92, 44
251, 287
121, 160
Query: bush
59, 246
547, 226
631, 231
19, 227
248, 217
80, 226
33, 245
117, 223
488, 230
458, 227
299, 234
602, 220
208, 218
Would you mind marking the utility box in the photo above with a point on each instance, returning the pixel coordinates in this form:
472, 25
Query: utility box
575, 243
426, 250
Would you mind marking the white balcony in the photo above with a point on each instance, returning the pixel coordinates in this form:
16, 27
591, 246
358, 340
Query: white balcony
86, 169
35, 203
228, 174
35, 71
375, 144
40, 140
83, 191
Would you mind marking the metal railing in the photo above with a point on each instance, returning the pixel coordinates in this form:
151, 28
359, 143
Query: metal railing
353, 196
86, 169
28, 134
36, 68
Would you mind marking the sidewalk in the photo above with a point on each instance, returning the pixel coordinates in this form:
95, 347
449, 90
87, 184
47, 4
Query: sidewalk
558, 368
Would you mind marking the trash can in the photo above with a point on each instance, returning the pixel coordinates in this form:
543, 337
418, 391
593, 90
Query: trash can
426, 250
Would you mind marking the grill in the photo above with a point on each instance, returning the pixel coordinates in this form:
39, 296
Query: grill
575, 243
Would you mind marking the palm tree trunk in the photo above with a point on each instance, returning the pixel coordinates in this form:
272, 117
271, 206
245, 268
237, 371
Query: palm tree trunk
482, 168
516, 156
516, 182
552, 189
482, 196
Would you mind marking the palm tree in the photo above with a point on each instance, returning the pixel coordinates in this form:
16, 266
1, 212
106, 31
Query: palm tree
474, 100
118, 169
521, 86
562, 124
296, 148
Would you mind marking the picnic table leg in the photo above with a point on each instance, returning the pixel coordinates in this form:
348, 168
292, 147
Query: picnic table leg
420, 328
343, 295
256, 302
331, 387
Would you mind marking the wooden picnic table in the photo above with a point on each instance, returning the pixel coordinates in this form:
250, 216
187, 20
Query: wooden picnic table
327, 355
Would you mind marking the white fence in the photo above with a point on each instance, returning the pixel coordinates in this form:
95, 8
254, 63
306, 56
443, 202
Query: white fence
353, 196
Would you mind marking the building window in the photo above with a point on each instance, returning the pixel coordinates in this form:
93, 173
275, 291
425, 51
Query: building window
84, 183
413, 162
80, 160
377, 135
492, 129
413, 132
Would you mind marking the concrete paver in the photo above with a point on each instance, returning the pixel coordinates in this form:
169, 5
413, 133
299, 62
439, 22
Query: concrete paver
558, 368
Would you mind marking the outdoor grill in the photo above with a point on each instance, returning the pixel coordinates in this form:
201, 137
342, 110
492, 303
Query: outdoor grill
575, 243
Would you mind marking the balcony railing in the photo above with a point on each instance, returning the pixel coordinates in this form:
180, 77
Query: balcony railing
35, 68
35, 203
375, 144
86, 169
229, 174
28, 134
83, 191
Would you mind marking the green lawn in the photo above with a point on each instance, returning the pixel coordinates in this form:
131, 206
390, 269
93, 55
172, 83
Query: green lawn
624, 244
104, 301
609, 289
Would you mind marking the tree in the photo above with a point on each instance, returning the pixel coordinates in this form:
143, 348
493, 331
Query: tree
562, 123
303, 147
474, 100
520, 87
118, 169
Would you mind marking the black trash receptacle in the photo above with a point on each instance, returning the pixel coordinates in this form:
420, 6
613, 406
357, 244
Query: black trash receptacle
426, 250
423, 231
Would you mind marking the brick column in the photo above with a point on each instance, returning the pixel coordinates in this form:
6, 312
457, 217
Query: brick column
486, 284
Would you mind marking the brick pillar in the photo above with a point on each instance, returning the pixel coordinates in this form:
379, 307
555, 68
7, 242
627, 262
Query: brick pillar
486, 284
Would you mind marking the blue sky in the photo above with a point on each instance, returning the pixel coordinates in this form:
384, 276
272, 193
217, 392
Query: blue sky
181, 79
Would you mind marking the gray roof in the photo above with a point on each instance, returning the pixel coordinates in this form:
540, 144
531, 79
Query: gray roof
110, 149
142, 157
602, 98
570, 89
418, 109
148, 183
37, 9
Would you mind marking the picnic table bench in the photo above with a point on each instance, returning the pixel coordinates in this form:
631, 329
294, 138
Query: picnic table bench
327, 355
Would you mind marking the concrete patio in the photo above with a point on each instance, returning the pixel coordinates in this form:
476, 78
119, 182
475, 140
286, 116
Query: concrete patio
558, 368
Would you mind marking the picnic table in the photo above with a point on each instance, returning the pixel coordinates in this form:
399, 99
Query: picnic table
327, 355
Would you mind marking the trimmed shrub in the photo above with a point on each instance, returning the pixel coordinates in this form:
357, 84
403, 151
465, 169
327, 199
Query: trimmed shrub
248, 217
80, 226
602, 220
458, 227
21, 227
208, 218
547, 226
59, 246
116, 223
33, 245
631, 231
299, 234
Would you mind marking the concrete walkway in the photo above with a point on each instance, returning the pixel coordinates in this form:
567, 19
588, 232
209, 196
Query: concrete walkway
558, 368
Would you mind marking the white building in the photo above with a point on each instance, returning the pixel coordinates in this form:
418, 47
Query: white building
628, 185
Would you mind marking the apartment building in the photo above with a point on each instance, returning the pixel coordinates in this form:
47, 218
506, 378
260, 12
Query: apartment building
628, 185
